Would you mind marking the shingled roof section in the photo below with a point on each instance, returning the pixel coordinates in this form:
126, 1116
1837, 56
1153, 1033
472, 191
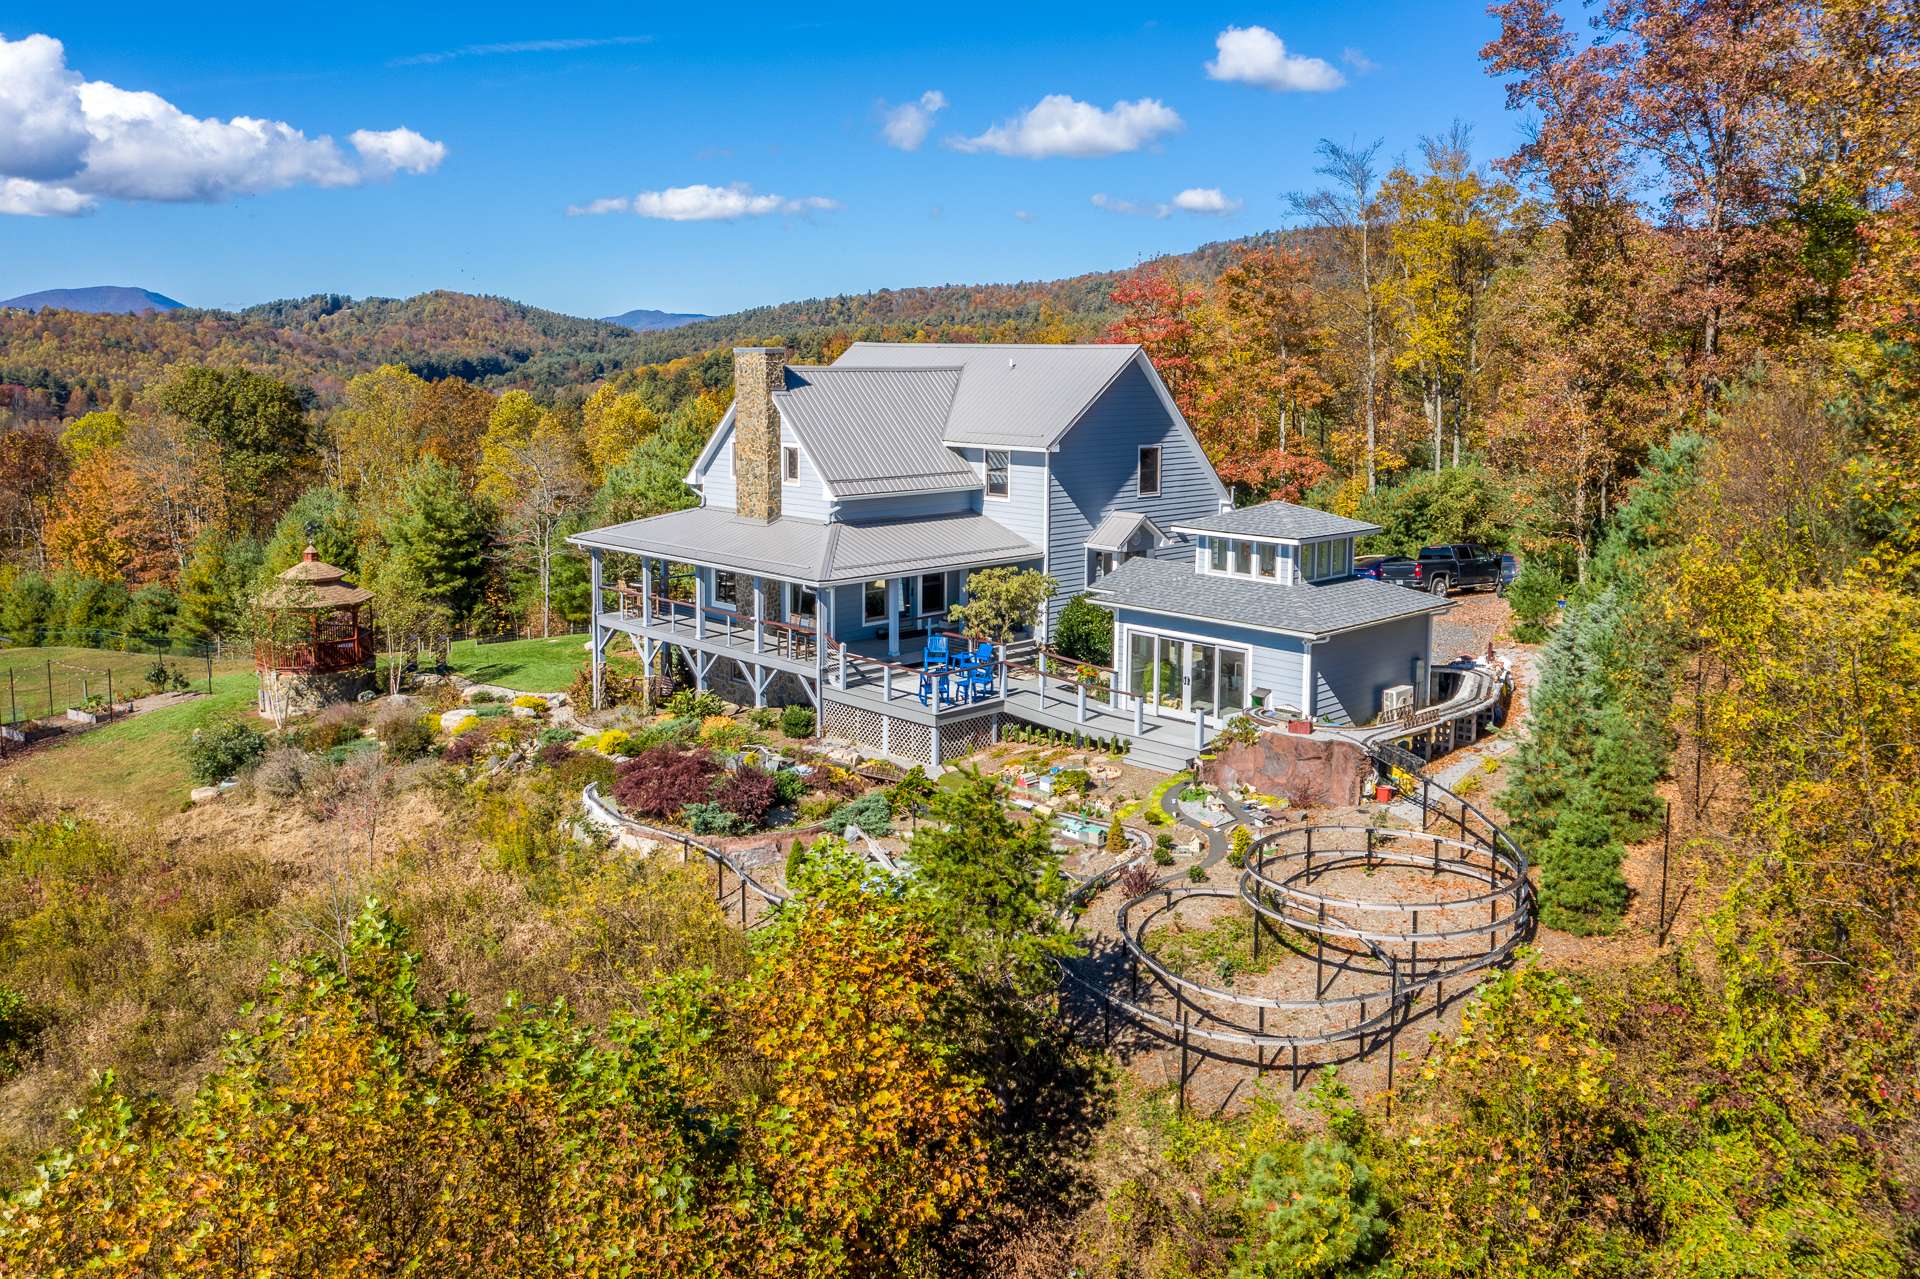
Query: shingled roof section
1175, 589
1282, 521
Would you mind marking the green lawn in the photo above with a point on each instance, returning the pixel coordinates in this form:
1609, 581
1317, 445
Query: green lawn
137, 765
76, 672
531, 666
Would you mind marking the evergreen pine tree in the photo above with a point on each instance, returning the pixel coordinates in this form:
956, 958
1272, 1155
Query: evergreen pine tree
442, 535
1315, 1217
1581, 888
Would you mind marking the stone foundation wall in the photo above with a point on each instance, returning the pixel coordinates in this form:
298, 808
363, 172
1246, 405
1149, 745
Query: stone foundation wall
306, 692
1299, 768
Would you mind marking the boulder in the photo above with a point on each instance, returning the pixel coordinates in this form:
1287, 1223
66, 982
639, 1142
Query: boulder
201, 794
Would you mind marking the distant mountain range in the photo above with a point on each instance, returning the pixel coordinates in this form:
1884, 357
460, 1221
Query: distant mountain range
98, 299
105, 338
643, 320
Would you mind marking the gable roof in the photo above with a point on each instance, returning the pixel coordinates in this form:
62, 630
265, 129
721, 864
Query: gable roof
1169, 587
1284, 521
871, 432
1010, 395
816, 554
1115, 532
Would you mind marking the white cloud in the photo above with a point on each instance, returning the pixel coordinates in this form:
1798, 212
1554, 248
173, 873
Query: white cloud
703, 203
67, 142
39, 199
905, 127
1205, 200
1113, 204
1254, 55
1021, 215
391, 151
43, 135
1060, 125
1192, 200
1359, 61
516, 46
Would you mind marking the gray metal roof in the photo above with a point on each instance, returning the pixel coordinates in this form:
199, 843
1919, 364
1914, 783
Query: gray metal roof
1011, 395
812, 553
1284, 521
1164, 586
876, 431
1115, 532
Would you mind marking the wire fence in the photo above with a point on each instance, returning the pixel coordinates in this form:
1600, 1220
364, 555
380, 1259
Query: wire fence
98, 672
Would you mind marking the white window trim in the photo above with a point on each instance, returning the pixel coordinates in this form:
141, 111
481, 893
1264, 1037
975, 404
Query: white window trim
1159, 470
715, 597
789, 464
1122, 644
921, 596
986, 473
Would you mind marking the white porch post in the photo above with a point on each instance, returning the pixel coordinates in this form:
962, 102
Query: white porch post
1199, 729
646, 590
593, 568
699, 603
893, 616
759, 613
1306, 680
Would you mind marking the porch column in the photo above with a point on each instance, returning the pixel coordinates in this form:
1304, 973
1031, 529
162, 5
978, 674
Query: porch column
1306, 679
893, 617
646, 590
759, 613
593, 569
699, 604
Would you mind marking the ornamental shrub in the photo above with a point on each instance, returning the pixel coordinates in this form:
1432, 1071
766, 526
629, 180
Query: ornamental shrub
687, 704
529, 702
1315, 1213
215, 754
747, 792
797, 722
1085, 632
403, 730
706, 818
1238, 845
871, 813
662, 780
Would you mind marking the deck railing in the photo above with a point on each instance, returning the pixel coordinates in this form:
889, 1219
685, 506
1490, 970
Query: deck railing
338, 654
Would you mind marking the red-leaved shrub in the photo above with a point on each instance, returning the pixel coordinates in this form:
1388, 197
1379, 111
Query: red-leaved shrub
663, 780
747, 792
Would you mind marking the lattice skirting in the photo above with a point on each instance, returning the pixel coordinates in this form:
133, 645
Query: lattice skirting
964, 737
905, 739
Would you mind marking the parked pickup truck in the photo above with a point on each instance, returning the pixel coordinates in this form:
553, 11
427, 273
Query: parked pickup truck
1443, 569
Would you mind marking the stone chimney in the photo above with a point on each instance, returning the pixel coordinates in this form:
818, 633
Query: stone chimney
758, 371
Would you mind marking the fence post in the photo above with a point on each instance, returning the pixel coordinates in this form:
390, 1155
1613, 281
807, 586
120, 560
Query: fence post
13, 703
109, 694
209, 674
1080, 704
49, 690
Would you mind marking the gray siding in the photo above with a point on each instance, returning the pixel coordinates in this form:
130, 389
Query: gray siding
1350, 669
1276, 659
717, 484
1024, 509
1096, 472
804, 498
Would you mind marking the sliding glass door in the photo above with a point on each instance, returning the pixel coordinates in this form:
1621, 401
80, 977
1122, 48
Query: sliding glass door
1181, 676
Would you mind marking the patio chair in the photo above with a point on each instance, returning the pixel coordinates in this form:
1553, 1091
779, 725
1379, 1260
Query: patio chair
982, 671
935, 653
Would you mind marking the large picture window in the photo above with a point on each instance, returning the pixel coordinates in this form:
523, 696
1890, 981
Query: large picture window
1150, 471
874, 601
997, 478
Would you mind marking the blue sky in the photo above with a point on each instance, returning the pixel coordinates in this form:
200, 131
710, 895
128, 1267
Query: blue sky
515, 115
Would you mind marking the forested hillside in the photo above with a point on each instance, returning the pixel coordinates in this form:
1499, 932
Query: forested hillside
1667, 349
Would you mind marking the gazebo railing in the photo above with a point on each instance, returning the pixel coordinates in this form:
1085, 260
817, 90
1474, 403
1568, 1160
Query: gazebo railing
324, 655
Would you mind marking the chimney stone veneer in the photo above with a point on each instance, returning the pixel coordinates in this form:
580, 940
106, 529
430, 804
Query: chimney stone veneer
758, 371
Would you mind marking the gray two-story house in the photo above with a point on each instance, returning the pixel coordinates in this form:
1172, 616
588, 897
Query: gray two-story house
844, 506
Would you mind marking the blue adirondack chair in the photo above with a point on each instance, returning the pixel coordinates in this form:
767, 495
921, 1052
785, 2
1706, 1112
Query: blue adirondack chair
935, 654
982, 671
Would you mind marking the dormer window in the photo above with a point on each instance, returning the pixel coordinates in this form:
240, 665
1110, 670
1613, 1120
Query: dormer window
1269, 556
1243, 558
997, 477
